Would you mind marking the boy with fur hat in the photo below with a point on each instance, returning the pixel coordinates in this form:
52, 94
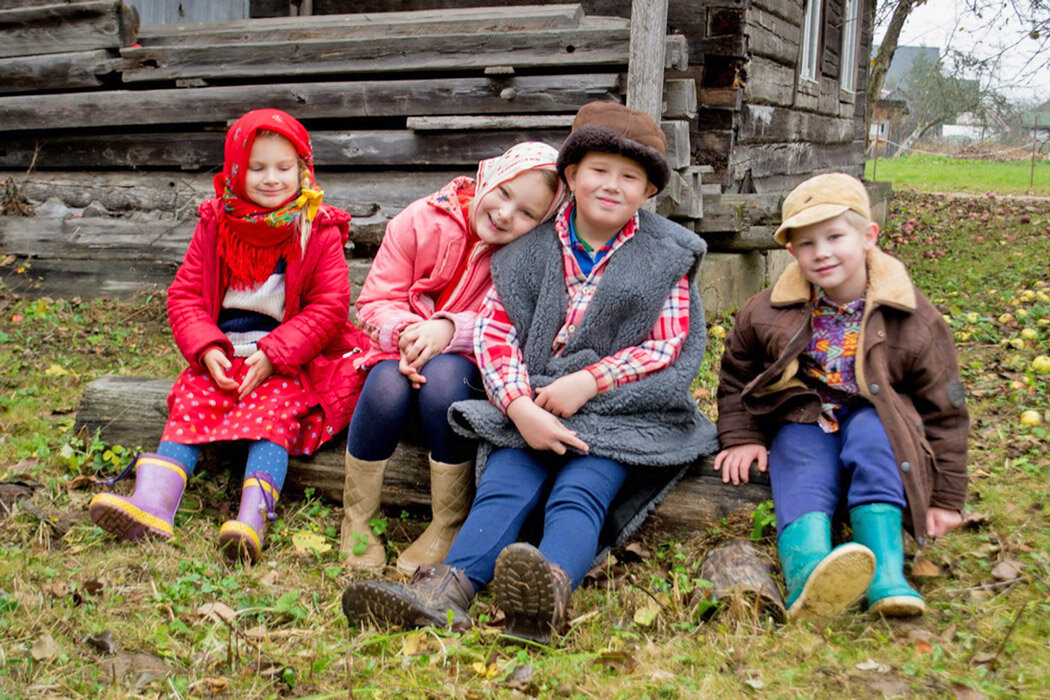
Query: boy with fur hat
587, 345
848, 374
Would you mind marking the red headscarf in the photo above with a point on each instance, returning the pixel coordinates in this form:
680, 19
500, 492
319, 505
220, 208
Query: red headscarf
252, 238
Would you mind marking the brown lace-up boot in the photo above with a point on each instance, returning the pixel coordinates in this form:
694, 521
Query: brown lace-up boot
532, 592
435, 595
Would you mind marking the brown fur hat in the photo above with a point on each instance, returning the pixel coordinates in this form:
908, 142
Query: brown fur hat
609, 127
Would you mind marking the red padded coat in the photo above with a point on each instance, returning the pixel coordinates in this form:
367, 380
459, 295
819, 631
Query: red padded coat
315, 341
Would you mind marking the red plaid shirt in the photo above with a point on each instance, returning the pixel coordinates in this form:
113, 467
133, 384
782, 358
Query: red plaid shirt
499, 357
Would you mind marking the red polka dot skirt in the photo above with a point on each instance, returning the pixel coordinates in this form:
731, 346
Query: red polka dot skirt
278, 410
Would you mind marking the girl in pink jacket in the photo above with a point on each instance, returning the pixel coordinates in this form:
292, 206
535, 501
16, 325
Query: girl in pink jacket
259, 308
419, 305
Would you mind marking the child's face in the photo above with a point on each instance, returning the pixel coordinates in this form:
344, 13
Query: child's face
511, 209
273, 171
609, 189
832, 255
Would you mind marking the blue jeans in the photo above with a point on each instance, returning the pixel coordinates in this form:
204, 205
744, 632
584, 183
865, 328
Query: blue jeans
513, 484
388, 402
813, 471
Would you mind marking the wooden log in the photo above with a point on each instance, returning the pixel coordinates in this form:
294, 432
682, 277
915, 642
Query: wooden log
558, 94
61, 28
723, 98
773, 37
131, 411
679, 99
598, 41
369, 24
773, 124
645, 74
426, 146
504, 121
769, 82
729, 213
742, 581
746, 241
87, 279
56, 71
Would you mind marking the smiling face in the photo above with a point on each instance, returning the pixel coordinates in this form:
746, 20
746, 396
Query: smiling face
512, 208
273, 171
609, 189
833, 255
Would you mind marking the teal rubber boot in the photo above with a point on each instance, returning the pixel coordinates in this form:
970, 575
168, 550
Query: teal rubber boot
877, 526
821, 582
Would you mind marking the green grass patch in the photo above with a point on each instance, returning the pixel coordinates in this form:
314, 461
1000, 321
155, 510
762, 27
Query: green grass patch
944, 174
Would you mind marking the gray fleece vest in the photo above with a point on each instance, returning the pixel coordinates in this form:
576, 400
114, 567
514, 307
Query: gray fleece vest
652, 422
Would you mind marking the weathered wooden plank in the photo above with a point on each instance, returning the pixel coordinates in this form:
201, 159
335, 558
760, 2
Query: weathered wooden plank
678, 150
779, 167
61, 28
771, 124
645, 71
85, 278
773, 37
791, 10
56, 71
769, 82
94, 238
721, 98
559, 94
368, 24
503, 121
599, 41
198, 150
730, 213
679, 99
754, 238
131, 411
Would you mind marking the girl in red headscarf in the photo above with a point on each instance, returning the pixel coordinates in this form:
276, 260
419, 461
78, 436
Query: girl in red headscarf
259, 308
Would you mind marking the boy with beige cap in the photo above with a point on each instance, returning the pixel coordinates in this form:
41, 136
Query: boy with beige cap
847, 374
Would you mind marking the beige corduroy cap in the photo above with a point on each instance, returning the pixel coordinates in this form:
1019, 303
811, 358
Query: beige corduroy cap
820, 198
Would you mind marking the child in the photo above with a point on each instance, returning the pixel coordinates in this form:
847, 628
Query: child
849, 375
419, 304
587, 346
259, 307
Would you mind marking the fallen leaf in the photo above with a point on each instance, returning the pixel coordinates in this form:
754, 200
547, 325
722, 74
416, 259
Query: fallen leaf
57, 370
520, 677
306, 542
486, 672
647, 615
756, 683
617, 660
81, 481
973, 519
56, 589
413, 643
921, 567
872, 665
965, 692
636, 549
983, 657
45, 648
102, 642
923, 647
1007, 570
95, 586
217, 611
210, 686
272, 578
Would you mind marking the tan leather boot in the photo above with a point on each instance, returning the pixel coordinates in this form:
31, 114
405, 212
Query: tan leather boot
364, 482
451, 493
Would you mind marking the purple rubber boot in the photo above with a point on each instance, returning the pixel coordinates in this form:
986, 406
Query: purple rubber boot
242, 539
150, 511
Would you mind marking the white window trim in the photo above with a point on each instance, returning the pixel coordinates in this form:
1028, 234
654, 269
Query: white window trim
851, 15
810, 37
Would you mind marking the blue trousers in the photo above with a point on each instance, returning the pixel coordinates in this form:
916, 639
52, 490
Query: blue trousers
263, 456
813, 471
388, 402
513, 484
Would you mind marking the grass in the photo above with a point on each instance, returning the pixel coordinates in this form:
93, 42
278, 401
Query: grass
944, 174
181, 623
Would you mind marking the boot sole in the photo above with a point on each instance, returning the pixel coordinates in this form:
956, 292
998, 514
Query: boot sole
898, 606
239, 542
387, 605
116, 515
838, 581
524, 590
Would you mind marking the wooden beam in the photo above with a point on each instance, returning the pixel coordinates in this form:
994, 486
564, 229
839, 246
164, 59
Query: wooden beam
369, 24
543, 94
56, 71
508, 121
62, 28
131, 411
645, 68
598, 41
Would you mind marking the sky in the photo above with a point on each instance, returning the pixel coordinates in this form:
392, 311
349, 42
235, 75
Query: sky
941, 23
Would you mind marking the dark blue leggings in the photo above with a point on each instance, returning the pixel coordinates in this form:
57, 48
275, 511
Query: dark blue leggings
388, 402
263, 456
513, 484
813, 471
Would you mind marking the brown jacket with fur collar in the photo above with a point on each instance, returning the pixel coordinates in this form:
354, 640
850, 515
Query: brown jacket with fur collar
906, 369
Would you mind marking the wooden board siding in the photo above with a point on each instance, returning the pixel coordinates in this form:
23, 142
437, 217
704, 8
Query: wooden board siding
60, 28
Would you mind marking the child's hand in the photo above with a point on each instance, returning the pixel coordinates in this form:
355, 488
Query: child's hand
259, 369
411, 372
542, 430
423, 340
941, 521
216, 362
565, 395
735, 462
